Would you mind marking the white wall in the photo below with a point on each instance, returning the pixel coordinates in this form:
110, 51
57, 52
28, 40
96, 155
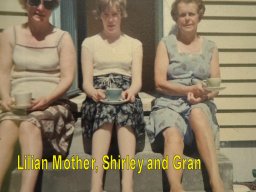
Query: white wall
11, 13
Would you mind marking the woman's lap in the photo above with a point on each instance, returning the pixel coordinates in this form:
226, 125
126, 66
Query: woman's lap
56, 124
94, 115
129, 114
164, 118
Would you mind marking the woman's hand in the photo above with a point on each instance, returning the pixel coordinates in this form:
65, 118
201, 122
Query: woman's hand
198, 90
40, 104
192, 99
6, 104
98, 94
128, 95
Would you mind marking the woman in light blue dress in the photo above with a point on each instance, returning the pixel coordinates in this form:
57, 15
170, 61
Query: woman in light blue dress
185, 111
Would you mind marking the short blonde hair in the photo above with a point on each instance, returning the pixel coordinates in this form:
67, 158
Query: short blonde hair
199, 3
24, 3
102, 5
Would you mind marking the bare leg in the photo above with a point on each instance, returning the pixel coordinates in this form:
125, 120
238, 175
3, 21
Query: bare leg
100, 146
8, 139
206, 146
173, 145
31, 144
126, 144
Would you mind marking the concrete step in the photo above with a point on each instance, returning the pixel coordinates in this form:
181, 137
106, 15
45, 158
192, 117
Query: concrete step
144, 179
195, 180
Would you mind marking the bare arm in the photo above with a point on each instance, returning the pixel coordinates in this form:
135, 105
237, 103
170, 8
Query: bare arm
215, 70
87, 70
136, 84
6, 49
67, 56
162, 84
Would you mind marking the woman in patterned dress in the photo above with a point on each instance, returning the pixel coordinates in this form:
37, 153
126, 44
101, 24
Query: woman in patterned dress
112, 59
185, 112
39, 58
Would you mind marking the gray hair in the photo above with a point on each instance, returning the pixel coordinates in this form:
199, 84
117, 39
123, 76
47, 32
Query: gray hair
199, 3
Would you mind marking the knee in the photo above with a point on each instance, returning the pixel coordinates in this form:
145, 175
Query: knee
8, 126
172, 136
28, 130
197, 115
8, 132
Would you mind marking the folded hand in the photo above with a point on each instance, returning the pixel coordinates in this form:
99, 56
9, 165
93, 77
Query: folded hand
128, 95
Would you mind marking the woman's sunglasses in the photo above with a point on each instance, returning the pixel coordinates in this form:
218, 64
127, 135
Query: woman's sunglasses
48, 4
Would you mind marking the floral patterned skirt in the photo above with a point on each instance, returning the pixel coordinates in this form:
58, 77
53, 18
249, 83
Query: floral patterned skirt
95, 114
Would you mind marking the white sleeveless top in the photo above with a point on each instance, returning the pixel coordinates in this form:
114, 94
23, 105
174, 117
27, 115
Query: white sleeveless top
36, 69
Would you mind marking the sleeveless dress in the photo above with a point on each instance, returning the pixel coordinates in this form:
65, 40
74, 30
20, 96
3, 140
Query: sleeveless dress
36, 70
173, 111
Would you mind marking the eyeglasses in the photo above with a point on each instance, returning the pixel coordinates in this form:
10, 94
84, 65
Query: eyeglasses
48, 4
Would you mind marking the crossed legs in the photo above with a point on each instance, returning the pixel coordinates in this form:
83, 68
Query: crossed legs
31, 144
